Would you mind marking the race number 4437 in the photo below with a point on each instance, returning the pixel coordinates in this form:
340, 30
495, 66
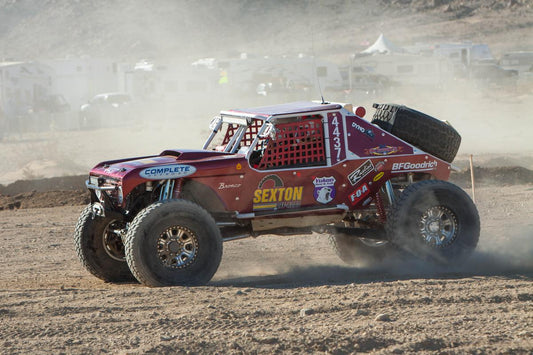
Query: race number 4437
336, 132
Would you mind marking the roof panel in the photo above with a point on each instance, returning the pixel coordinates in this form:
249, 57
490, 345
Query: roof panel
284, 109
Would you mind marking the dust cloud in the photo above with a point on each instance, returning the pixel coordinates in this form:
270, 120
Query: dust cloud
508, 255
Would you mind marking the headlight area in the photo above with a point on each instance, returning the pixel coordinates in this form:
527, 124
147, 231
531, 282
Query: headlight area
105, 190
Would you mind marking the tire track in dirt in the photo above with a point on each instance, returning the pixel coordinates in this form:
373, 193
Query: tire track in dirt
255, 302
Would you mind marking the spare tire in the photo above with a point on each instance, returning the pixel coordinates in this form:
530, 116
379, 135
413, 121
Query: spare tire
427, 133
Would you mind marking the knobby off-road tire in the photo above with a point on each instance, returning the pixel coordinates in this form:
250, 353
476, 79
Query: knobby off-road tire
100, 249
434, 220
356, 251
427, 133
173, 242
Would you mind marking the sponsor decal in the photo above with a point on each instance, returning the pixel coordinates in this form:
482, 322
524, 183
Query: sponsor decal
368, 132
408, 166
167, 171
324, 189
223, 186
382, 150
359, 194
272, 194
380, 165
378, 176
359, 173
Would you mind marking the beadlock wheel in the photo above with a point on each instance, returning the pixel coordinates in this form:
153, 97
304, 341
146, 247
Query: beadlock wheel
112, 241
173, 242
177, 247
99, 246
434, 220
438, 226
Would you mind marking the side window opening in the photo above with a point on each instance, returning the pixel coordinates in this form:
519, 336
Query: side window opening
297, 144
221, 140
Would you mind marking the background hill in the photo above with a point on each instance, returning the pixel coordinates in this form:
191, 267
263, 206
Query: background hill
188, 29
177, 32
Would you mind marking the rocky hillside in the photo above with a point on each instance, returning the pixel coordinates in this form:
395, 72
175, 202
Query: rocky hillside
187, 29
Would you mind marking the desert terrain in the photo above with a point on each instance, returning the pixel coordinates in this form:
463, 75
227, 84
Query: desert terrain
271, 294
274, 295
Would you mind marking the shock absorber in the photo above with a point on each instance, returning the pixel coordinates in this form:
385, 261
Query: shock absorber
166, 190
380, 207
177, 188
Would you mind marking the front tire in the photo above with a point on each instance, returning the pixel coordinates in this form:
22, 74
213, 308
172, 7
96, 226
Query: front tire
174, 242
436, 221
100, 248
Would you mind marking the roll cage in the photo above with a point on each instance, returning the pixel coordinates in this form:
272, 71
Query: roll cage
273, 142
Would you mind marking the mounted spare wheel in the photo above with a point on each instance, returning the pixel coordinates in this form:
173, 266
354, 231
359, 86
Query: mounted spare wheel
423, 131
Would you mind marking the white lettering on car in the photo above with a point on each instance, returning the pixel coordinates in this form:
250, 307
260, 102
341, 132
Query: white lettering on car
167, 171
408, 166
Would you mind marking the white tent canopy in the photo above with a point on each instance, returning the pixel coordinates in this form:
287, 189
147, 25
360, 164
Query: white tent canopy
382, 46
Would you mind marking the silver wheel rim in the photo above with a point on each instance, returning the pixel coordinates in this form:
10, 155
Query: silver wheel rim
177, 247
112, 241
438, 226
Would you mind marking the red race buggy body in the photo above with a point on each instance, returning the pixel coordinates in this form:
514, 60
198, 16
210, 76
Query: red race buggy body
374, 187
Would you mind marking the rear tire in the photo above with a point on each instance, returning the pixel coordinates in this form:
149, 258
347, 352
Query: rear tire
174, 242
99, 248
355, 251
427, 133
434, 220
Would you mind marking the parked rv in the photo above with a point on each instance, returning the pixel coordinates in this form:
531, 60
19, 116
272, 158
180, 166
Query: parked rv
520, 61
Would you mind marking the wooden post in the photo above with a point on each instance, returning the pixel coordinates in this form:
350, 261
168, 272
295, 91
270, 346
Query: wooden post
472, 178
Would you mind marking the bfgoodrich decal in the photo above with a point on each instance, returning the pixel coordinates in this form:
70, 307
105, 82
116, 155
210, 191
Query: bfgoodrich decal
408, 166
173, 171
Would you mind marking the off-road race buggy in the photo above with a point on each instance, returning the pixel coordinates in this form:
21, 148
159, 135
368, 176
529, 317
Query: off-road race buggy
373, 187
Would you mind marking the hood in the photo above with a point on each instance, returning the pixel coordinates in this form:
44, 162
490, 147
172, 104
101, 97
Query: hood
170, 164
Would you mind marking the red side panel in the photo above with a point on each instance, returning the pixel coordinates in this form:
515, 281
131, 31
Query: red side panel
368, 140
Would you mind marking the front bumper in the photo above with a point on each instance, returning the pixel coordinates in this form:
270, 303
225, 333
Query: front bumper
107, 192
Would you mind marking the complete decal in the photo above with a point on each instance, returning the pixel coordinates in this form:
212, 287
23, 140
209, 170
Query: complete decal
324, 189
359, 173
167, 172
272, 194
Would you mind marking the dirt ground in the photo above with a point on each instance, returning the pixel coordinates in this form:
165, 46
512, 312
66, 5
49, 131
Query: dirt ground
273, 295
